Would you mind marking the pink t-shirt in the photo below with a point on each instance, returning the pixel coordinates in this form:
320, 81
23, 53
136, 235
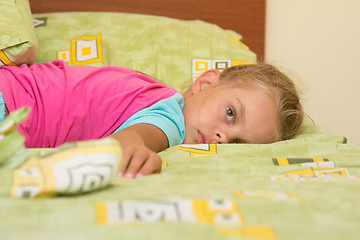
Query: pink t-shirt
72, 103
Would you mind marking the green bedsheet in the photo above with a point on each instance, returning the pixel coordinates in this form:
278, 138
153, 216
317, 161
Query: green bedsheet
306, 188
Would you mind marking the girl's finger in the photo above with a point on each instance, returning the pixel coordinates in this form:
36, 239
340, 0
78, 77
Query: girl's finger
152, 165
137, 161
126, 159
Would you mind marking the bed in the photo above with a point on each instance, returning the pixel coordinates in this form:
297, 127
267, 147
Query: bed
304, 188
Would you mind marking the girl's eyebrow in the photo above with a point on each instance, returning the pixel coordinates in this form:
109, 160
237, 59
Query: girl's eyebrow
241, 117
238, 140
242, 108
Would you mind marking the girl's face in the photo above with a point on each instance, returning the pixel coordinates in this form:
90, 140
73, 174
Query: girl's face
230, 115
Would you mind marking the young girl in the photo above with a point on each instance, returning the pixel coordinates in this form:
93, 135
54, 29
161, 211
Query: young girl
243, 104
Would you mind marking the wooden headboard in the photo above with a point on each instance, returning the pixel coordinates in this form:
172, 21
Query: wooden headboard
246, 17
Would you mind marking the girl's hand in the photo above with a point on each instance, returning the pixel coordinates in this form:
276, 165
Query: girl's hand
140, 144
138, 161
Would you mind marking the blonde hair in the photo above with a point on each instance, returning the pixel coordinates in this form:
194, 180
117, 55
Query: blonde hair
273, 81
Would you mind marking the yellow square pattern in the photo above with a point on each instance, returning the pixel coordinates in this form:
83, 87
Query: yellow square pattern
83, 50
199, 66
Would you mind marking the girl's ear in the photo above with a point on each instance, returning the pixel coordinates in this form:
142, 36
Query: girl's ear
205, 79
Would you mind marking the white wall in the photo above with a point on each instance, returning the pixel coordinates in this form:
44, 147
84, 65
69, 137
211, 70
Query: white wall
319, 40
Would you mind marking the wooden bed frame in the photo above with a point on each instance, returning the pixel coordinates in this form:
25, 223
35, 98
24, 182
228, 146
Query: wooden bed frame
246, 17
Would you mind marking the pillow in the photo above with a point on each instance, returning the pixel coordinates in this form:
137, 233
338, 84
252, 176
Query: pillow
12, 152
18, 43
172, 51
311, 132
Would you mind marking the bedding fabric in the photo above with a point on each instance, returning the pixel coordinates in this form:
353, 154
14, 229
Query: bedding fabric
18, 42
170, 50
298, 189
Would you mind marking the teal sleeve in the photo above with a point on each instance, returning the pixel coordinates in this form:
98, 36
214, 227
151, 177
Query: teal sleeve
166, 115
2, 108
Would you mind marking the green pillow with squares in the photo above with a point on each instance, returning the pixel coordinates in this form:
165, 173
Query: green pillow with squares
171, 50
18, 42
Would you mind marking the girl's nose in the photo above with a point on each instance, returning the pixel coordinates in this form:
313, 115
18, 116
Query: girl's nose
221, 137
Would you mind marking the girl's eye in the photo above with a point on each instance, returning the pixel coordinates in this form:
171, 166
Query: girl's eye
230, 114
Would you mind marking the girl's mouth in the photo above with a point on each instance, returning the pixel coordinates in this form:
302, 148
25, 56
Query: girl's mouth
201, 138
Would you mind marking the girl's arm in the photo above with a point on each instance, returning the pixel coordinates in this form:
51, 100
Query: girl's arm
140, 144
